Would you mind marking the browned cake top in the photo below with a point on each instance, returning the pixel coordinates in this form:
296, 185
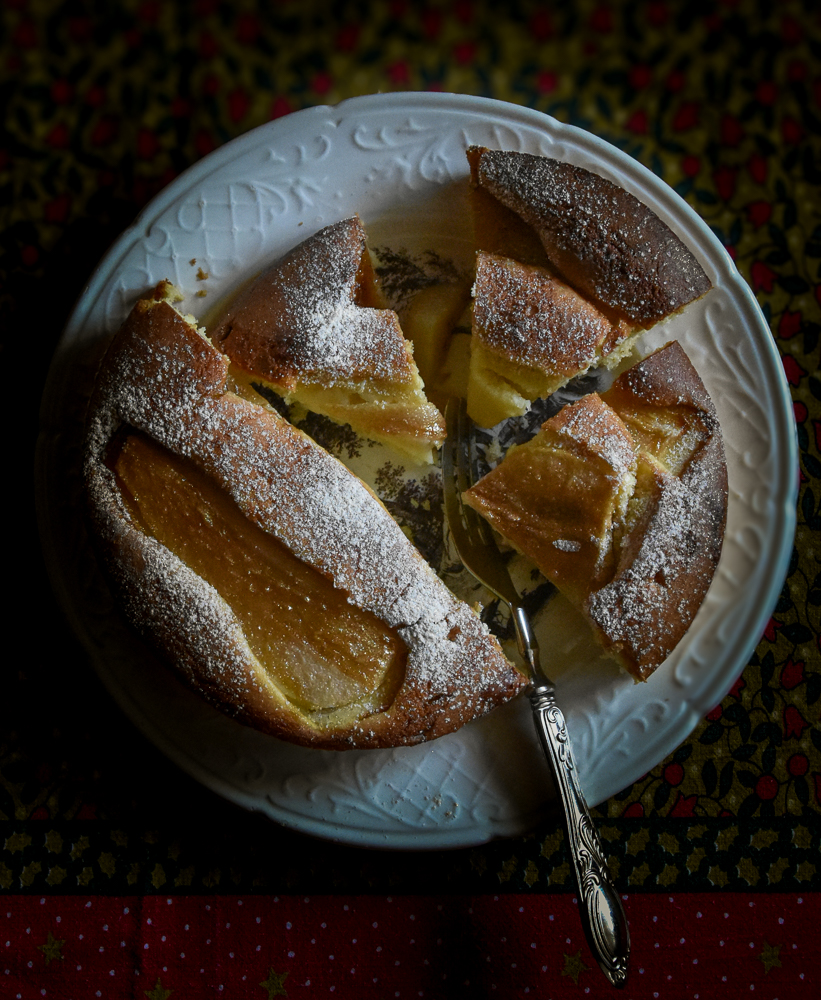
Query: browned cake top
163, 379
529, 316
309, 318
602, 239
621, 501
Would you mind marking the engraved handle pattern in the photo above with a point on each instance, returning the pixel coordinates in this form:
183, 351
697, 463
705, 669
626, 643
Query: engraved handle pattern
603, 919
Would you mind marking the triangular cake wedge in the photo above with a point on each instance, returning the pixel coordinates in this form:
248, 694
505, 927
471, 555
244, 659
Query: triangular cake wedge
600, 238
314, 329
532, 333
269, 576
621, 502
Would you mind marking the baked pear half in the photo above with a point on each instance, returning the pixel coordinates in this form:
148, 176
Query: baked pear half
270, 578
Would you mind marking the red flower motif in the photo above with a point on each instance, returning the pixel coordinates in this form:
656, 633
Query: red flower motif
40, 813
673, 774
724, 180
29, 255
675, 81
800, 411
59, 136
321, 83
790, 324
766, 787
634, 809
87, 811
147, 144
797, 70
347, 37
431, 22
792, 674
640, 76
690, 165
211, 84
792, 131
657, 14
798, 765
57, 209
715, 714
791, 30
79, 29
731, 131
463, 9
280, 107
249, 28
181, 107
792, 369
541, 26
762, 276
686, 117
601, 20
464, 52
794, 723
737, 688
398, 73
757, 166
759, 212
766, 92
208, 45
771, 629
637, 122
25, 35
61, 92
546, 81
684, 806
95, 96
105, 131
238, 104
204, 142
149, 11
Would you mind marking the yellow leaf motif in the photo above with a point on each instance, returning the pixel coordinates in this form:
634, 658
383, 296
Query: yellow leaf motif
158, 993
51, 949
574, 966
770, 956
274, 984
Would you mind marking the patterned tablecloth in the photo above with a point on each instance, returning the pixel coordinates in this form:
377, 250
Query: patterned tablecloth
121, 877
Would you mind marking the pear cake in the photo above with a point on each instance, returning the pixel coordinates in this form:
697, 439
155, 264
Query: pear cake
270, 577
545, 224
621, 501
314, 328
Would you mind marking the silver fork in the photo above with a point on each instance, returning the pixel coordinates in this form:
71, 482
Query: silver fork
603, 919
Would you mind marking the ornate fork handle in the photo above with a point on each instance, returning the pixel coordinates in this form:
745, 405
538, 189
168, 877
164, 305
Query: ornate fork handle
603, 918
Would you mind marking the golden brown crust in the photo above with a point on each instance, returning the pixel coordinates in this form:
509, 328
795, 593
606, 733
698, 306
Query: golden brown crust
162, 378
308, 328
634, 546
601, 239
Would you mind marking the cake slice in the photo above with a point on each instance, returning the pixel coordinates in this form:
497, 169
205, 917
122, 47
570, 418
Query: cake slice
600, 238
531, 334
268, 576
314, 329
621, 501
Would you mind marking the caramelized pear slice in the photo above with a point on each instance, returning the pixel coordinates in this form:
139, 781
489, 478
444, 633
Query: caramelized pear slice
320, 650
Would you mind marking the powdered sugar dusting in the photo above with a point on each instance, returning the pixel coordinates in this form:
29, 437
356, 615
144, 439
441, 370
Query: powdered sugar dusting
161, 377
300, 320
602, 239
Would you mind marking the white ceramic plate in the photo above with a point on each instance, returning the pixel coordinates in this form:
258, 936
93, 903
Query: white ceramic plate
398, 160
